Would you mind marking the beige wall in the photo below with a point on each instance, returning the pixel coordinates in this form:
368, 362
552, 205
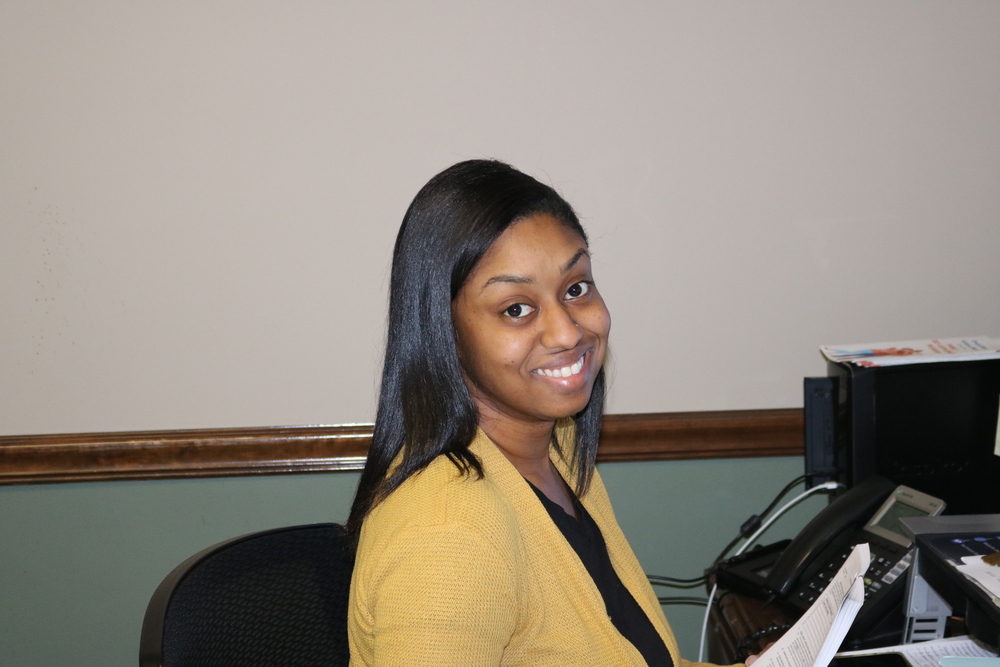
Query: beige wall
197, 200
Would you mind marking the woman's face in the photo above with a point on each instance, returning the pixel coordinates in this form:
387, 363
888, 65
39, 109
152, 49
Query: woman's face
531, 327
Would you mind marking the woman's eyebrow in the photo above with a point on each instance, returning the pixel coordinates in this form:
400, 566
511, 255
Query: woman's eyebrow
582, 252
522, 280
519, 280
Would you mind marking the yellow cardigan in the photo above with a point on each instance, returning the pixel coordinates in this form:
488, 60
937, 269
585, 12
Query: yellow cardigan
455, 570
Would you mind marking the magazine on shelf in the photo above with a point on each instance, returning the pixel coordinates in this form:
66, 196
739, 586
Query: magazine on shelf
914, 351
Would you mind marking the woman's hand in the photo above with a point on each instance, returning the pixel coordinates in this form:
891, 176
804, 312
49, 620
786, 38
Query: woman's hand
753, 658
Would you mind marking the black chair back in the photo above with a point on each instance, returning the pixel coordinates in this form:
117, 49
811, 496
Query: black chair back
277, 597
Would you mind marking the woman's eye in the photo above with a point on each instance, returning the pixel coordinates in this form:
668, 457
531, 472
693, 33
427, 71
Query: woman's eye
576, 290
518, 310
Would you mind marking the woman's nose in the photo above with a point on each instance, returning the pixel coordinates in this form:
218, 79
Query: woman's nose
559, 329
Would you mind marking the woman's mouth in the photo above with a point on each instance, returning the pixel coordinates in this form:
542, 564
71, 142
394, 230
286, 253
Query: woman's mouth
564, 372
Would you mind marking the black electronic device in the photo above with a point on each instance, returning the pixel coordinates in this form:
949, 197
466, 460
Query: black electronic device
820, 418
747, 572
869, 512
930, 426
939, 554
878, 660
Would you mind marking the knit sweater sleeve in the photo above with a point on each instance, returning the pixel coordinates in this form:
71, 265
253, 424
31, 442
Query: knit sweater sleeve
442, 595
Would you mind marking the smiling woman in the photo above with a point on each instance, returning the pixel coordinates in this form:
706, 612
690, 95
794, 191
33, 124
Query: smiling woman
532, 331
484, 533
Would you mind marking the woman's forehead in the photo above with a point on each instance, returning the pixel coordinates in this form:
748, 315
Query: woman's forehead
538, 233
537, 241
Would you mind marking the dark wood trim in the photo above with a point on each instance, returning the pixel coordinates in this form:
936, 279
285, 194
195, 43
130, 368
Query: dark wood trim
82, 457
192, 453
672, 436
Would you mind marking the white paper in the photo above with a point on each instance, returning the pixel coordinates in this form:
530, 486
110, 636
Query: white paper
816, 636
928, 654
984, 574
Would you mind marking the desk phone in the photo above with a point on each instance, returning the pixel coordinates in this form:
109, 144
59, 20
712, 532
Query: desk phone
891, 554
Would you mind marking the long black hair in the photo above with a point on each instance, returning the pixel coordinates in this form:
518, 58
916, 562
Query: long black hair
424, 407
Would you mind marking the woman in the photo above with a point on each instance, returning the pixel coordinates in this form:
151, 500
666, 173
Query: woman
485, 535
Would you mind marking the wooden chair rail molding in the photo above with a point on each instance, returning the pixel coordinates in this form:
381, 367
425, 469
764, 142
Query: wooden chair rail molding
83, 457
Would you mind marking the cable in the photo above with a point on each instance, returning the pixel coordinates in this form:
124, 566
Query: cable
743, 645
748, 526
657, 580
826, 486
753, 522
682, 600
788, 487
704, 624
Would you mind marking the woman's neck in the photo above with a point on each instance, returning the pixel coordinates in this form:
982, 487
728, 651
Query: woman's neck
527, 449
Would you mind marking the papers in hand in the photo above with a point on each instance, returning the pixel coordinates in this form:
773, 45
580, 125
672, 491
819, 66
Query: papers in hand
815, 638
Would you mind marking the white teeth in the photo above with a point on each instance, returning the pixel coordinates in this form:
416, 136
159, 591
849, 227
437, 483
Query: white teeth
563, 372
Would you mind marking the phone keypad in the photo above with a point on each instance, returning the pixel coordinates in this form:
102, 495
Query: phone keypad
888, 562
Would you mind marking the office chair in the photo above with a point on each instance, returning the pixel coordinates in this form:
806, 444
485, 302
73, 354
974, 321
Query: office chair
277, 597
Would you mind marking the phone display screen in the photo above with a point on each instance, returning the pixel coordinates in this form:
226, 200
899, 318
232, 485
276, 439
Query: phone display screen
890, 518
903, 503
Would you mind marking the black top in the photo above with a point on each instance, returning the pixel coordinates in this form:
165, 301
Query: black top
625, 613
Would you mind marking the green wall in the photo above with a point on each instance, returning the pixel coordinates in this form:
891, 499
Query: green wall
78, 562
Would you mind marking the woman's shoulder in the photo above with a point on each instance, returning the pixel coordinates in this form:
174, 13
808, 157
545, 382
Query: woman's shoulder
442, 495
